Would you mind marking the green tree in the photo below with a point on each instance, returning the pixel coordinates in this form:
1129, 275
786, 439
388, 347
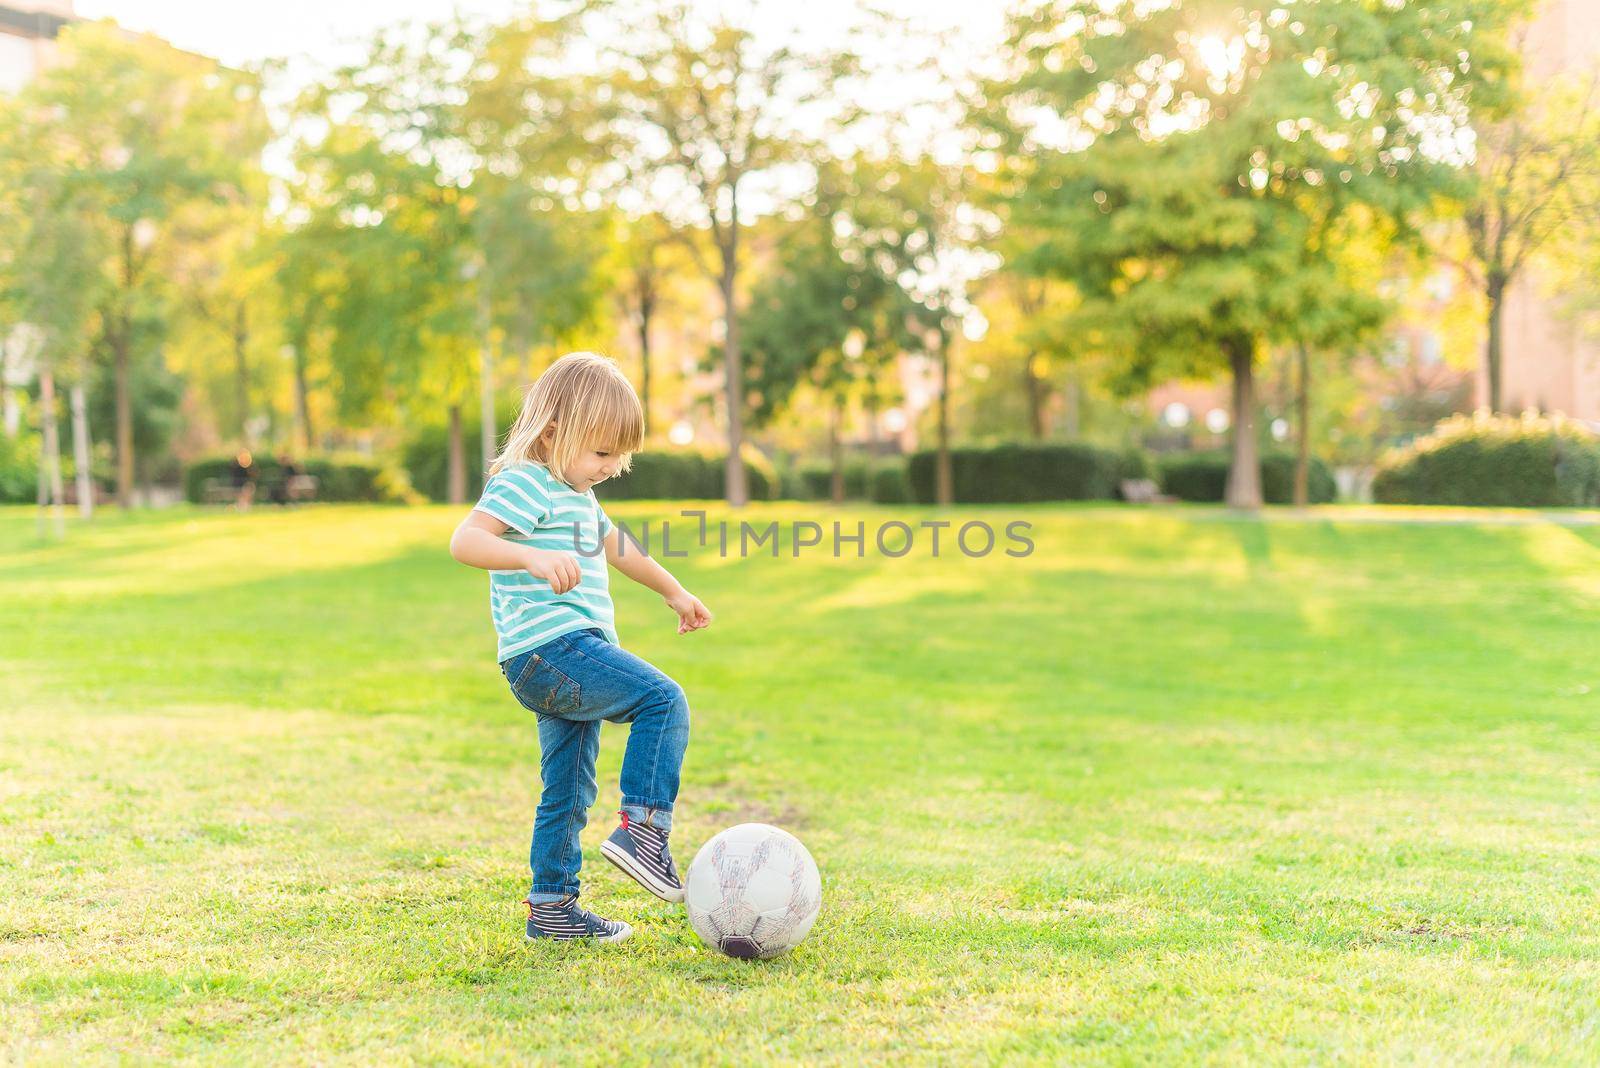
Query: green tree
919, 218
1183, 164
224, 272
442, 192
1537, 167
650, 262
385, 209
51, 281
835, 311
146, 132
705, 111
536, 126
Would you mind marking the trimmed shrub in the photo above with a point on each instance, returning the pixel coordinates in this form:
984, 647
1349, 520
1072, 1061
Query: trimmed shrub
1134, 464
19, 468
674, 474
339, 478
884, 481
818, 479
1019, 473
890, 483
1495, 461
1203, 476
426, 455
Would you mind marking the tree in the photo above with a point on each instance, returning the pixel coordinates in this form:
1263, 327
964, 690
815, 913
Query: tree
832, 312
308, 288
918, 218
1538, 181
224, 268
649, 259
535, 125
706, 111
147, 131
51, 282
1182, 162
384, 177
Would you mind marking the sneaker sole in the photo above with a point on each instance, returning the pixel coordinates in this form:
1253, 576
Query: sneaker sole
620, 936
639, 874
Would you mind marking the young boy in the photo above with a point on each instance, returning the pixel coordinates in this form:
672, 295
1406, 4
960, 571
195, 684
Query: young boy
539, 531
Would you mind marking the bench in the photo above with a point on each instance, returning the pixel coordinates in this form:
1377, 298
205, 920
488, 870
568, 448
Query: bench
297, 489
300, 488
218, 491
1143, 491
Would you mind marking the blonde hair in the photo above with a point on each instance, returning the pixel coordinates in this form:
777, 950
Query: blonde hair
592, 406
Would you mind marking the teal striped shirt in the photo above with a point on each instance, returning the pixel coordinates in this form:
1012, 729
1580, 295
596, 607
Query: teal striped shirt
546, 513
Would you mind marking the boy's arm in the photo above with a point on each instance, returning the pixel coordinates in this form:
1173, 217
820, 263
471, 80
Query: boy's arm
477, 543
634, 562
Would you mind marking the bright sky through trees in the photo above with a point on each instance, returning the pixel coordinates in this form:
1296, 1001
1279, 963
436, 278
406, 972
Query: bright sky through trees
329, 31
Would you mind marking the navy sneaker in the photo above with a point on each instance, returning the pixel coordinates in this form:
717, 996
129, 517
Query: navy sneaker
640, 850
564, 920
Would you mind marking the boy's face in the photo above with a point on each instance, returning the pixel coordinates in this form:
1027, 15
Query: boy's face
590, 467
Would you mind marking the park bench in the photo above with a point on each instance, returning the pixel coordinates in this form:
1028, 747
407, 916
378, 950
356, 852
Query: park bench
301, 488
218, 491
98, 494
298, 489
1143, 491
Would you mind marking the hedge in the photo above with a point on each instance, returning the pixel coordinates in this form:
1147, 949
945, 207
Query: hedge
673, 474
426, 455
1018, 473
339, 478
1203, 476
1496, 461
882, 481
19, 468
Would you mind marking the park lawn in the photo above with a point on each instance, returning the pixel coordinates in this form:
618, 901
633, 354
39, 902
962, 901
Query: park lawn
1176, 787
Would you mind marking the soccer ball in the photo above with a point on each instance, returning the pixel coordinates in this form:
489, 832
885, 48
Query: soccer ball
753, 891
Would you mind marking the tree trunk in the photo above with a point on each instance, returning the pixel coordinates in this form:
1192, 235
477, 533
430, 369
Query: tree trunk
456, 473
647, 310
120, 343
1302, 457
1244, 474
874, 438
302, 400
241, 372
1496, 292
835, 453
1035, 387
490, 432
1073, 396
10, 410
945, 492
82, 459
50, 491
738, 488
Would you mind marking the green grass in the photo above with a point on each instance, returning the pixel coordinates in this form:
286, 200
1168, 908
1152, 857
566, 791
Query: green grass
1175, 788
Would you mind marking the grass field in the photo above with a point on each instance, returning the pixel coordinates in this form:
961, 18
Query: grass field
1174, 788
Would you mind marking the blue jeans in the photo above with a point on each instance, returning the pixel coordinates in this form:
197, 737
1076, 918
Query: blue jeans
572, 682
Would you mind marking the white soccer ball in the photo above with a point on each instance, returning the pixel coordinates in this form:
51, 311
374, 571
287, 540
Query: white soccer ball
753, 891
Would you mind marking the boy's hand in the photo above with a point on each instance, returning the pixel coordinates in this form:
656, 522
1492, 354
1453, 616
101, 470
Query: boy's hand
559, 569
692, 615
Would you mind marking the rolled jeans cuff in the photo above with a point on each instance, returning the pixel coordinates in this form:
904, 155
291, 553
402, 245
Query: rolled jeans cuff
654, 813
549, 894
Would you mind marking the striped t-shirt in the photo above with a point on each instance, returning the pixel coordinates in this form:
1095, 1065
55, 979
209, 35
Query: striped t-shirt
546, 513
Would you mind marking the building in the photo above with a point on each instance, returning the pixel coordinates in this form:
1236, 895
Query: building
28, 31
1550, 363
